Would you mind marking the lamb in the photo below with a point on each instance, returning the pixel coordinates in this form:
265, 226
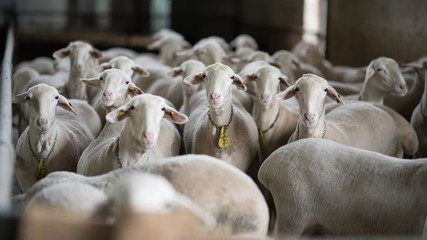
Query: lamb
218, 188
382, 78
83, 60
327, 188
359, 124
275, 120
184, 70
143, 137
116, 89
419, 121
220, 127
52, 141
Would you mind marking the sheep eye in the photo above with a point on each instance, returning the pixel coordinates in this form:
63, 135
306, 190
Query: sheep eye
127, 82
379, 69
163, 108
100, 78
27, 98
326, 89
132, 107
232, 77
203, 75
297, 89
56, 97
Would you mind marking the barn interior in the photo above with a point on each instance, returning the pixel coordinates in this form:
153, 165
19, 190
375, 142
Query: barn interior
346, 33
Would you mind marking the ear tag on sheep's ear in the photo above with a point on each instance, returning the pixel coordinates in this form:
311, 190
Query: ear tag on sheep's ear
261, 138
41, 170
120, 114
224, 137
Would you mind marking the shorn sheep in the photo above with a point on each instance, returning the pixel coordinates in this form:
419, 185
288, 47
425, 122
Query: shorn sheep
55, 137
145, 136
218, 188
218, 126
419, 121
323, 187
359, 124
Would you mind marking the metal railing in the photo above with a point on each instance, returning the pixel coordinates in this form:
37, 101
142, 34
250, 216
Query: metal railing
7, 150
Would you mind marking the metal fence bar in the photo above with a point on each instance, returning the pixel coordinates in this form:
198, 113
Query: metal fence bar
7, 151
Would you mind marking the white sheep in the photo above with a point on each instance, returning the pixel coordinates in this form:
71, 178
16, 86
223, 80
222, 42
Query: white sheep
208, 51
43, 65
184, 70
327, 188
83, 61
125, 64
114, 52
218, 126
359, 124
244, 41
116, 89
219, 189
276, 121
419, 120
55, 138
382, 78
144, 136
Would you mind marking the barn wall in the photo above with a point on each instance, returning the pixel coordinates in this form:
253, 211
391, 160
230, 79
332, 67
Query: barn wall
359, 31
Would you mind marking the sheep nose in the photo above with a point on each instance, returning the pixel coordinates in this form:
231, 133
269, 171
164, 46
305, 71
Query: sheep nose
265, 96
148, 135
403, 88
107, 95
78, 67
42, 122
215, 97
310, 117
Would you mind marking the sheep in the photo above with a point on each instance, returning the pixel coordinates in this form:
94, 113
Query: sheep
275, 120
184, 70
169, 43
55, 138
218, 126
208, 51
125, 64
218, 188
116, 89
308, 53
114, 52
83, 60
143, 137
359, 124
244, 41
43, 65
323, 187
382, 78
419, 121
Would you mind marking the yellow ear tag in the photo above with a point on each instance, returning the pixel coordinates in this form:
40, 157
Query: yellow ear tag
261, 138
224, 137
41, 170
120, 114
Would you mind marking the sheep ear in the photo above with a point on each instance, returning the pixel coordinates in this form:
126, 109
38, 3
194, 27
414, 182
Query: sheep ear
333, 94
174, 72
134, 90
288, 93
284, 80
155, 45
65, 104
118, 115
94, 82
238, 81
274, 64
140, 71
95, 53
61, 53
249, 77
369, 71
175, 116
20, 98
195, 78
103, 67
186, 53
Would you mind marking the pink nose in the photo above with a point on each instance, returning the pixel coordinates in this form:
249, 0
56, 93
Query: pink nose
42, 122
403, 88
310, 117
265, 96
149, 136
215, 97
107, 95
78, 67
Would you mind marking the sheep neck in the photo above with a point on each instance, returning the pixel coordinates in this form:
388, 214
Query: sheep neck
267, 115
44, 142
221, 116
75, 88
367, 93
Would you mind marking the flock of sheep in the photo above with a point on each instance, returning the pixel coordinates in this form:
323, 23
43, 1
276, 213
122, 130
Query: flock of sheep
248, 142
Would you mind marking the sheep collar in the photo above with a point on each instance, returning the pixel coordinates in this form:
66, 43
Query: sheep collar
224, 137
262, 132
42, 167
117, 154
323, 135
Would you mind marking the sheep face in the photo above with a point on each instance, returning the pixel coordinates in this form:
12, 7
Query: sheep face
387, 76
145, 113
82, 57
218, 79
310, 91
42, 101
